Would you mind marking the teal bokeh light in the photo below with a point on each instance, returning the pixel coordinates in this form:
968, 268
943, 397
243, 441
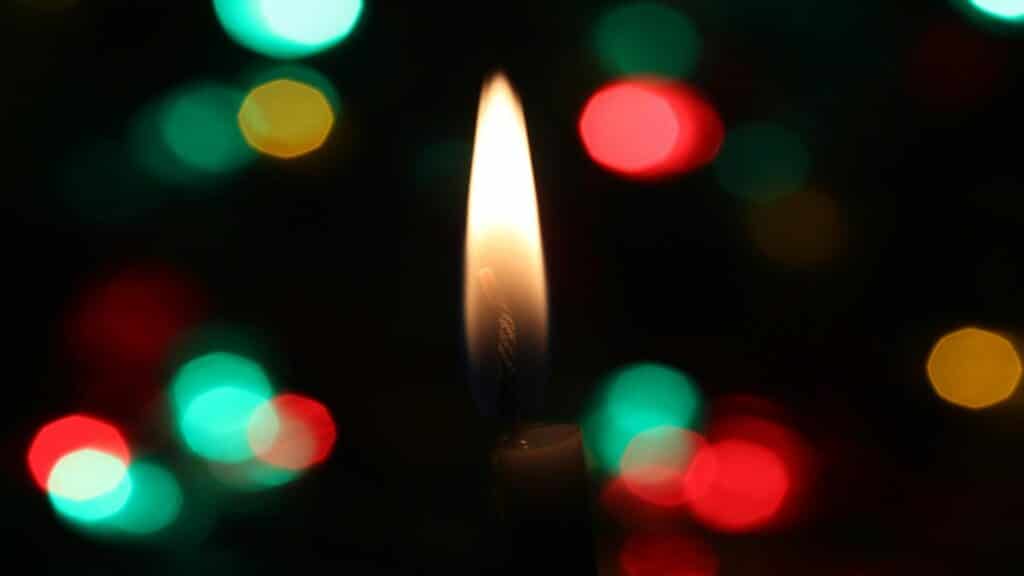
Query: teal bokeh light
88, 486
1005, 10
215, 424
762, 162
633, 400
252, 475
191, 137
646, 38
155, 501
214, 398
199, 126
288, 29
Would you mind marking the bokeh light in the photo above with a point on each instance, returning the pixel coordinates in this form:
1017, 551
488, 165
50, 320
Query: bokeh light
954, 68
761, 162
669, 554
215, 425
799, 229
646, 128
288, 28
974, 368
754, 473
633, 400
97, 186
70, 434
89, 485
154, 504
251, 475
646, 38
264, 73
190, 137
655, 464
285, 118
1004, 10
131, 319
215, 396
292, 432
748, 485
85, 474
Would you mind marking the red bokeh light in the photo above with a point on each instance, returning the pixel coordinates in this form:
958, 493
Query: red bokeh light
748, 484
132, 318
754, 473
667, 555
75, 432
649, 128
121, 331
305, 436
955, 67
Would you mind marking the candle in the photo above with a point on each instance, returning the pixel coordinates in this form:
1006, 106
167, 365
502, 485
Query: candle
539, 476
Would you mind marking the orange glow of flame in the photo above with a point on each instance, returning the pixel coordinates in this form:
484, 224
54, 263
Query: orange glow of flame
504, 260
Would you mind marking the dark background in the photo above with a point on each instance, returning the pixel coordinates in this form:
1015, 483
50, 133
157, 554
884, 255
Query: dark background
347, 266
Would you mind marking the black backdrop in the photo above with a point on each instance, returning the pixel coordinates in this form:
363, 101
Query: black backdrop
347, 264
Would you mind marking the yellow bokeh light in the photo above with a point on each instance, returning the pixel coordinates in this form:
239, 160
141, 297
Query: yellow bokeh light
974, 368
804, 228
285, 118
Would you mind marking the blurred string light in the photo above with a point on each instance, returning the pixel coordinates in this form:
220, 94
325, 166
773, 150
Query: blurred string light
647, 128
762, 162
633, 400
132, 317
292, 432
754, 472
190, 136
954, 67
98, 186
88, 486
443, 160
251, 475
154, 503
747, 488
1011, 11
214, 397
974, 368
671, 554
121, 331
646, 38
288, 29
656, 462
285, 118
77, 432
799, 229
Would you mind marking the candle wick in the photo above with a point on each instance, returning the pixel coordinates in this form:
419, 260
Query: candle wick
507, 345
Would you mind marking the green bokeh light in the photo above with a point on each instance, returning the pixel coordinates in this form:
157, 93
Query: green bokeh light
1005, 10
190, 137
155, 501
198, 125
647, 38
216, 424
288, 28
88, 486
762, 162
252, 475
98, 187
633, 400
214, 398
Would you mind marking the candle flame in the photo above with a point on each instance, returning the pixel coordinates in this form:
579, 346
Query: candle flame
504, 260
